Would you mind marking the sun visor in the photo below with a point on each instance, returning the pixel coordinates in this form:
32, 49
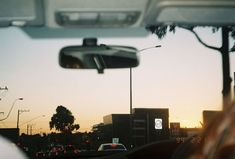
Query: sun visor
206, 12
21, 13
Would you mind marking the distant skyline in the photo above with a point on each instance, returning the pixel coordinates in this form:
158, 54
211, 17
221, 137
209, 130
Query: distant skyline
182, 75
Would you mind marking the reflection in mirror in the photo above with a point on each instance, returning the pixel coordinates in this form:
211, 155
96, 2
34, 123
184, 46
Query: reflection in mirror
98, 57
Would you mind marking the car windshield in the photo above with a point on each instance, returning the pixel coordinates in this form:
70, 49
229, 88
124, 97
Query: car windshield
172, 94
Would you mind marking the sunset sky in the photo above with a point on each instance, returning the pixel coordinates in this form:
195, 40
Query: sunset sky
182, 75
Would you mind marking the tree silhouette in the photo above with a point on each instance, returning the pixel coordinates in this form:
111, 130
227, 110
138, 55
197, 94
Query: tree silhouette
63, 120
224, 50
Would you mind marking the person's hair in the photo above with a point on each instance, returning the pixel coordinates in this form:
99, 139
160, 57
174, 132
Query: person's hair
218, 138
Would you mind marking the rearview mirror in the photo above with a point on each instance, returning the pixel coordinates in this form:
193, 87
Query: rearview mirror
100, 57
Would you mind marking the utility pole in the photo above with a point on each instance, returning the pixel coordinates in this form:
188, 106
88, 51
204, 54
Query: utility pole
27, 129
18, 116
31, 129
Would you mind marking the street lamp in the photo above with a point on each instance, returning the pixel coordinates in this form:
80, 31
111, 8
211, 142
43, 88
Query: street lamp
11, 109
18, 116
131, 75
131, 118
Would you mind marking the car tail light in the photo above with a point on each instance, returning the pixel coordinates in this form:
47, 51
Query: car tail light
113, 145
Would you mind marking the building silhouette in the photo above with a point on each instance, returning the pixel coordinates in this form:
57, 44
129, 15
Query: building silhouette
144, 126
149, 125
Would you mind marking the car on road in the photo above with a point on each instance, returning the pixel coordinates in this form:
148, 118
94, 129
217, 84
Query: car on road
56, 150
114, 147
70, 150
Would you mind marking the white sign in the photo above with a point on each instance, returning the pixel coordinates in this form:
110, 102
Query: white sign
115, 140
158, 123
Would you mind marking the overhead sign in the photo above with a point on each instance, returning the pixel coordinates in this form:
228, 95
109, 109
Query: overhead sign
115, 140
158, 123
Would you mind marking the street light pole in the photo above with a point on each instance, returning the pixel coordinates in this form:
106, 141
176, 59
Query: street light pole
131, 75
131, 117
11, 109
29, 129
18, 117
131, 91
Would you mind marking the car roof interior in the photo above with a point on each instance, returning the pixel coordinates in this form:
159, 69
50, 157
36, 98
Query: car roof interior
60, 14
